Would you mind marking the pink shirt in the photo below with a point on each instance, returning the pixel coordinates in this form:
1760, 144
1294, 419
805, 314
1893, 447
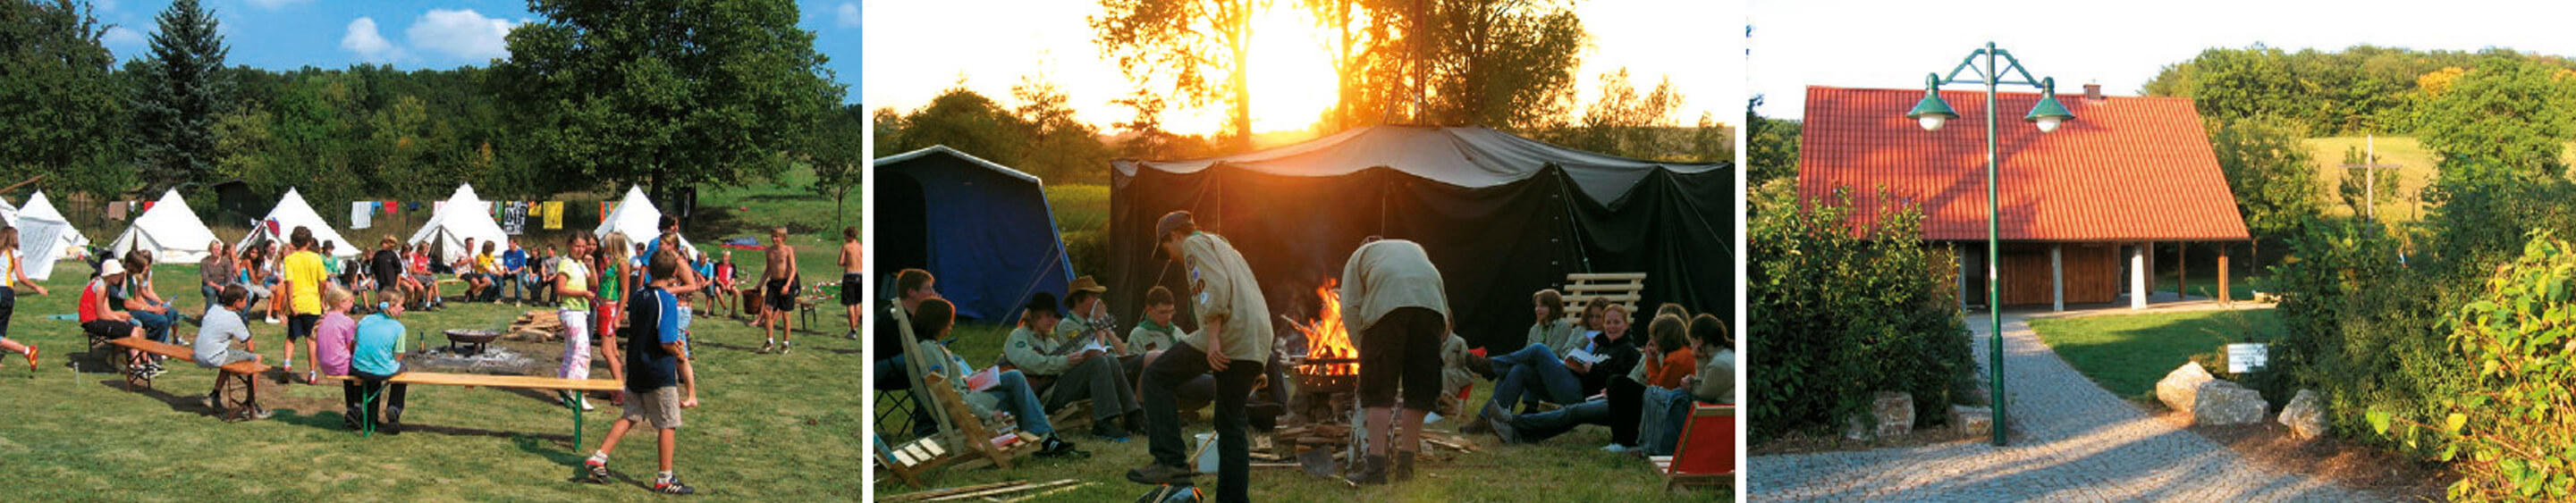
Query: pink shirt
333, 337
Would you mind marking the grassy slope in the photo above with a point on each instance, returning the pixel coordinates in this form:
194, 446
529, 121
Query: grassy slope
1567, 468
2128, 353
774, 427
2417, 166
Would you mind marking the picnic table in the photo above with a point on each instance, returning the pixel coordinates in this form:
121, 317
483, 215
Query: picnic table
489, 381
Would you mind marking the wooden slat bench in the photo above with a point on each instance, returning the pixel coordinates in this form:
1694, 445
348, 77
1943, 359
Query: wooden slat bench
1582, 290
489, 381
236, 374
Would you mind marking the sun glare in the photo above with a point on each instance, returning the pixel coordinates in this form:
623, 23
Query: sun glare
1292, 77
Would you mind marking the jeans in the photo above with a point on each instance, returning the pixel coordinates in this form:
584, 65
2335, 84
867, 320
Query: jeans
1178, 366
1534, 369
1021, 401
1545, 425
209, 292
156, 326
1659, 429
516, 285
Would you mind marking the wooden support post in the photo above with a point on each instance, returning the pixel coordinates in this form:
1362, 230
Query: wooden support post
2182, 269
2223, 295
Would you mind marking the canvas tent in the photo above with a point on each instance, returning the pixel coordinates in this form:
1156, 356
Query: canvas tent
169, 230
75, 244
639, 219
292, 212
464, 216
983, 229
1501, 215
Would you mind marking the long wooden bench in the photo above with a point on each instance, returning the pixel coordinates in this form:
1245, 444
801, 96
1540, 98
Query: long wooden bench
368, 425
236, 374
1583, 290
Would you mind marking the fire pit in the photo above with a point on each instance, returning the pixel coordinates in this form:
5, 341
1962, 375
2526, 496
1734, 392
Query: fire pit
1325, 402
475, 340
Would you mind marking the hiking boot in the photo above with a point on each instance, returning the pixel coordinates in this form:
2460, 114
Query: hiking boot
1500, 421
671, 485
1161, 474
1483, 367
1108, 430
1055, 446
1372, 472
1402, 468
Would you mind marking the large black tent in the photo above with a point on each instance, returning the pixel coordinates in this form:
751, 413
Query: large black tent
982, 229
1503, 216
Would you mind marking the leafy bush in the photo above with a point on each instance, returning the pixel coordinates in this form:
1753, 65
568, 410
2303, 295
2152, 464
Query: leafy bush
2362, 327
1089, 250
1840, 309
2518, 356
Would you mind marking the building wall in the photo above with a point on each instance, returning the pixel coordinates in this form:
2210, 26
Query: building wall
2092, 273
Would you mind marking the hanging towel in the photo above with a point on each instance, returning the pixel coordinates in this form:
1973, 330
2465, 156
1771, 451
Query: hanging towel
362, 214
554, 215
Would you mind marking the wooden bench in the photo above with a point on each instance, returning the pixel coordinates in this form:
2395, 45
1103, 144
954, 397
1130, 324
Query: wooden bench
368, 425
1583, 290
235, 374
1706, 454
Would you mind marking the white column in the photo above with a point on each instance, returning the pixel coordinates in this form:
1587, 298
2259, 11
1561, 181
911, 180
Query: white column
2138, 276
2057, 277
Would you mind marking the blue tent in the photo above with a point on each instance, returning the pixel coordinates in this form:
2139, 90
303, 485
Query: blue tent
982, 229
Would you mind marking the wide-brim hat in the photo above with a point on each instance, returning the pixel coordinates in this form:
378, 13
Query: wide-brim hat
1086, 284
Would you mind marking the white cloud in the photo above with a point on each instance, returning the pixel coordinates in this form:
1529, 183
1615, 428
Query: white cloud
848, 15
119, 36
275, 4
461, 33
368, 43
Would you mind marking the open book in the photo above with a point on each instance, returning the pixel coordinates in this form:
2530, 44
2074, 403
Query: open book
1586, 356
984, 379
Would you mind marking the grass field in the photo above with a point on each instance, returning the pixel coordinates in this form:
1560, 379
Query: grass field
2128, 353
1567, 468
773, 427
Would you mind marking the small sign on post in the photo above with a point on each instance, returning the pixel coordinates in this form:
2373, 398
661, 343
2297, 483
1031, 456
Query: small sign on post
2247, 356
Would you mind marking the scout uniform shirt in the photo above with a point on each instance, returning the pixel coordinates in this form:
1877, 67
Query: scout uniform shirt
1150, 336
1039, 355
1221, 286
1386, 275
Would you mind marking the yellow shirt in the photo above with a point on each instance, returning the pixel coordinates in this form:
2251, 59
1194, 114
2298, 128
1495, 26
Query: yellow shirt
576, 277
304, 274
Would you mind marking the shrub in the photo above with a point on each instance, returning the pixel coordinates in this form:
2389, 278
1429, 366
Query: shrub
2517, 357
1839, 310
1089, 250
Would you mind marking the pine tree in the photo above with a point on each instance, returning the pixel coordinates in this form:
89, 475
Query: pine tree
180, 90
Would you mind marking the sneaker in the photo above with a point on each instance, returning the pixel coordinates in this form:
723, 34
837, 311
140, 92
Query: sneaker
853, 335
673, 486
594, 471
1500, 421
1108, 430
272, 320
766, 347
208, 401
1055, 446
785, 347
31, 358
585, 404
1160, 474
1615, 448
263, 413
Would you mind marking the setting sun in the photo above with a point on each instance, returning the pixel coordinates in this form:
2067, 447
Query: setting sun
1292, 77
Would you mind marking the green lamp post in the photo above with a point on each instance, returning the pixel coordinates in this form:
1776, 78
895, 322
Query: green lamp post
1932, 113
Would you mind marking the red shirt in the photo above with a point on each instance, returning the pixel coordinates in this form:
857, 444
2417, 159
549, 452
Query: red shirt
1676, 365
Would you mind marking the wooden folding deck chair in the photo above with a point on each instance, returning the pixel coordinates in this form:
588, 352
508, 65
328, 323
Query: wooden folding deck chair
1706, 454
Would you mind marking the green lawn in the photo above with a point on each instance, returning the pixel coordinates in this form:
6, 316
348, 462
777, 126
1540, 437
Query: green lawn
2204, 282
2126, 354
773, 427
1079, 207
1567, 468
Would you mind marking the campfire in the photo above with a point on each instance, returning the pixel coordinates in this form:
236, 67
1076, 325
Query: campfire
1325, 400
1330, 362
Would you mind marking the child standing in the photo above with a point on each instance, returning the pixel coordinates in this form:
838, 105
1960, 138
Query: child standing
653, 384
12, 278
572, 284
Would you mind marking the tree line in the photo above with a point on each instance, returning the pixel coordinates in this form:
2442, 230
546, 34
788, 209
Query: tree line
593, 96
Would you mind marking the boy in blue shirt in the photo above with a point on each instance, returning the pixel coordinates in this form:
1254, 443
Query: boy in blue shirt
656, 357
372, 360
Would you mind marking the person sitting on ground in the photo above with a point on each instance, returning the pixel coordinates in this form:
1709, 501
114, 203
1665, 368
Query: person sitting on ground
1065, 366
149, 310
1552, 329
1620, 405
102, 312
215, 335
333, 340
1560, 379
11, 279
654, 377
1158, 333
374, 359
1009, 399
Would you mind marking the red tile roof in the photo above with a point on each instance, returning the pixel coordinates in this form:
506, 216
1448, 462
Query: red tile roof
2126, 169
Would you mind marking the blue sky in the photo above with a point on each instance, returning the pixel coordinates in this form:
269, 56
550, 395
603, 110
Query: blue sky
409, 34
2120, 45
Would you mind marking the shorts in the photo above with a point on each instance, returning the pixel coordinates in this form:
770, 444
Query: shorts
660, 407
230, 355
1402, 347
780, 293
850, 286
111, 329
687, 317
299, 327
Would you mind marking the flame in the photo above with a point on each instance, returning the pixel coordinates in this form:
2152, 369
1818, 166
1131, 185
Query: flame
1326, 337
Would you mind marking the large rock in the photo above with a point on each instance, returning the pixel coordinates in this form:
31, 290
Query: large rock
1894, 411
2223, 402
1972, 421
2180, 388
2305, 415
